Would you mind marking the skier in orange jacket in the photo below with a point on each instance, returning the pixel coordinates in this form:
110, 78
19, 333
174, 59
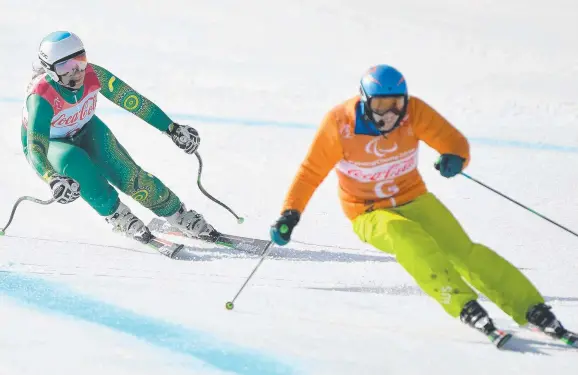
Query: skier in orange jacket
372, 140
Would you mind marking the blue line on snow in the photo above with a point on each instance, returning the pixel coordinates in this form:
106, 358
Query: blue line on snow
493, 142
52, 297
523, 145
12, 100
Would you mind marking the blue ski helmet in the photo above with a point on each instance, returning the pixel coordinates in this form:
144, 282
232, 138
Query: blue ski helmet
382, 81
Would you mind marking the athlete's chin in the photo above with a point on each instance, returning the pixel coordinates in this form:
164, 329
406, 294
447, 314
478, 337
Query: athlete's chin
74, 84
77, 81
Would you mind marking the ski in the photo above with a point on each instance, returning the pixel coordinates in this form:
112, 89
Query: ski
499, 338
245, 244
567, 337
165, 247
570, 339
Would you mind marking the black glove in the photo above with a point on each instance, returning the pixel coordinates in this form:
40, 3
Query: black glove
64, 189
281, 231
184, 136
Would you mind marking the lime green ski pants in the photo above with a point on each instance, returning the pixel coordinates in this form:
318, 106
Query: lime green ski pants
96, 159
432, 247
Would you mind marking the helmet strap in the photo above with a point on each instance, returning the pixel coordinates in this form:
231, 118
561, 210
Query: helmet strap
53, 75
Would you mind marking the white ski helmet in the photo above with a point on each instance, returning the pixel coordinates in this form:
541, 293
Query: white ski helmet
60, 47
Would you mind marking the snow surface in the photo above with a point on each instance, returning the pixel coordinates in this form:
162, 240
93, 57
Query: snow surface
255, 77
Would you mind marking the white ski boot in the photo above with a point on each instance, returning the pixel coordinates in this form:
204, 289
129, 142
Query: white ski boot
191, 223
126, 223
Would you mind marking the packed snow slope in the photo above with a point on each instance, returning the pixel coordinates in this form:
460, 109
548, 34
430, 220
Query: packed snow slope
255, 78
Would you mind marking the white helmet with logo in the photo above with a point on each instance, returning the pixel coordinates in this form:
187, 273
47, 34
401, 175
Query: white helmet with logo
62, 55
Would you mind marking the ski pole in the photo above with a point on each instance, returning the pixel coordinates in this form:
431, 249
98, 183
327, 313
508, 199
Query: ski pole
519, 204
20, 200
231, 304
240, 220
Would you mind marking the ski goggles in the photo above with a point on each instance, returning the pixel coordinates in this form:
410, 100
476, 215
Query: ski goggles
71, 65
380, 105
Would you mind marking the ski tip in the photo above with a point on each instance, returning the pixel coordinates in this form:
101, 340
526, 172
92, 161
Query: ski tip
176, 251
503, 340
570, 341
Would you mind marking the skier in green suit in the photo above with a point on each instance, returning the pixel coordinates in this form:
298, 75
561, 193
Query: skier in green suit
74, 151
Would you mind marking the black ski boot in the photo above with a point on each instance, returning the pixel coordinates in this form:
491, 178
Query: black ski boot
474, 315
540, 318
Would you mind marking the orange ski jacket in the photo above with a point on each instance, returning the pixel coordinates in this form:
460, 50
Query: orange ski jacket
373, 171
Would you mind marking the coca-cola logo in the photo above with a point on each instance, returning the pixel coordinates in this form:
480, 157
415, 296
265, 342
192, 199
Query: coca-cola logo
385, 172
65, 119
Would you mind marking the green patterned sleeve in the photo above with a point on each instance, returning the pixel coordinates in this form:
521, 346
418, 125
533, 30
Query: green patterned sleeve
121, 94
40, 114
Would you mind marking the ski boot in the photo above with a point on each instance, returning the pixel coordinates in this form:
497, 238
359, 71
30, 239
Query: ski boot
126, 223
541, 319
192, 224
474, 315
